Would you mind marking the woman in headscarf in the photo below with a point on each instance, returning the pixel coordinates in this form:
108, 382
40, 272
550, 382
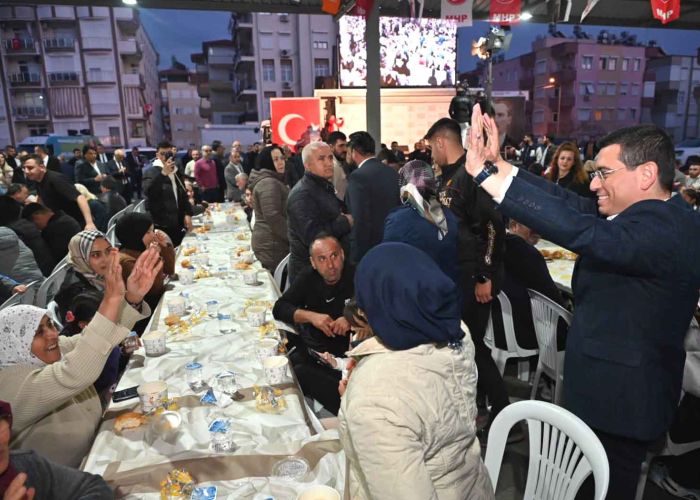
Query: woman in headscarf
270, 242
49, 379
421, 221
408, 415
136, 233
26, 474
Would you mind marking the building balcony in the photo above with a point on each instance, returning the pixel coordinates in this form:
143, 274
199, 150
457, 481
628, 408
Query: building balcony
62, 78
203, 89
205, 109
97, 43
19, 46
133, 80
567, 101
565, 75
17, 13
222, 59
47, 14
29, 112
127, 19
100, 77
105, 109
25, 79
59, 44
129, 47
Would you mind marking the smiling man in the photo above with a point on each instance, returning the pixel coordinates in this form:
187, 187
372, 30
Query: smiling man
635, 283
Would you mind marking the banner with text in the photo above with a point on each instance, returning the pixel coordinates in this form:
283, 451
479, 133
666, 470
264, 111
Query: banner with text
666, 10
504, 12
459, 11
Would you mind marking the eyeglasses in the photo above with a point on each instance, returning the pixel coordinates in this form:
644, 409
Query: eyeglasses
603, 173
49, 325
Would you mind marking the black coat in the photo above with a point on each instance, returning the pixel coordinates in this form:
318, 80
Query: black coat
636, 286
312, 208
372, 192
167, 212
58, 233
113, 201
85, 174
31, 236
54, 164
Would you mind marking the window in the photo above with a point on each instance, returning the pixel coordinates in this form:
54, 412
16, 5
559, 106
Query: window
266, 102
586, 88
137, 129
633, 114
287, 71
35, 130
114, 133
555, 117
584, 115
602, 88
681, 98
621, 115
612, 63
625, 64
541, 67
623, 88
637, 64
635, 89
587, 62
538, 116
597, 115
268, 70
322, 67
287, 93
603, 62
267, 41
320, 44
612, 87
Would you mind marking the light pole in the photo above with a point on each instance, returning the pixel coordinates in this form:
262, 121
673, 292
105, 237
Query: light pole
553, 85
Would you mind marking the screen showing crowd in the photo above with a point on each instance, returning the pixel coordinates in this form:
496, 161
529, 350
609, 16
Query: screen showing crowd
414, 53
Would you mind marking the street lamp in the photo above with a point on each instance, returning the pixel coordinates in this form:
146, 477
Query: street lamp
497, 40
553, 85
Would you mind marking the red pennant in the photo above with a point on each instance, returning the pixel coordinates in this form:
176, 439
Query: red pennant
363, 8
331, 7
504, 12
666, 10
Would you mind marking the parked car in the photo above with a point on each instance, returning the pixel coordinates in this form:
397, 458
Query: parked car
686, 148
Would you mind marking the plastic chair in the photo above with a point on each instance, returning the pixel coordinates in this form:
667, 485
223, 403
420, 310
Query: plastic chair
61, 262
130, 208
22, 298
113, 221
140, 207
53, 313
545, 317
281, 276
563, 451
50, 286
501, 356
111, 236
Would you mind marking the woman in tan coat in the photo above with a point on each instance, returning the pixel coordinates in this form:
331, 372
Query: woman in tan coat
270, 242
48, 379
408, 414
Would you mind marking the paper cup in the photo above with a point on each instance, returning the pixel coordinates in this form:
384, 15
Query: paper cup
186, 276
177, 306
256, 315
152, 395
319, 492
248, 257
202, 260
154, 343
275, 369
250, 277
267, 348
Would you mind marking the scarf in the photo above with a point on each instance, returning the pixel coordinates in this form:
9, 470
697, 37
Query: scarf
79, 250
407, 299
131, 229
9, 474
18, 324
418, 188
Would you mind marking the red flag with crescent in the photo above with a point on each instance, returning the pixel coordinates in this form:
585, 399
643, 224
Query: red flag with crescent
504, 12
294, 119
666, 10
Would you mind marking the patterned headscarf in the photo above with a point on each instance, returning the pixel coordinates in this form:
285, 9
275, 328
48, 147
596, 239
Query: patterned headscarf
18, 324
418, 187
79, 250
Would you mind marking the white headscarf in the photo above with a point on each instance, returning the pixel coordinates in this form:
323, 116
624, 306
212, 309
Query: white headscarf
18, 324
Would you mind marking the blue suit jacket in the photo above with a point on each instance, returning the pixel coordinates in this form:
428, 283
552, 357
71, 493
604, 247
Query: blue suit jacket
635, 287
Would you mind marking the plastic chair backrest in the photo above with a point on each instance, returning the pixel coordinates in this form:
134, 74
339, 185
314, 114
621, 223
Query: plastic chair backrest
58, 266
508, 329
545, 317
140, 207
53, 312
563, 451
50, 286
280, 274
113, 221
112, 236
22, 298
130, 208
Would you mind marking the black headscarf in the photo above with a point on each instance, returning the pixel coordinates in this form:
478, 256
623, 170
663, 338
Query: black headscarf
264, 161
131, 229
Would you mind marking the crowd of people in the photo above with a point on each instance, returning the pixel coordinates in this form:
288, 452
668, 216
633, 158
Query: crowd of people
395, 260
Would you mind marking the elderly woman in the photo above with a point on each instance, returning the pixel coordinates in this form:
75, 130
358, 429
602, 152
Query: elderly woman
567, 170
270, 242
407, 418
421, 221
49, 379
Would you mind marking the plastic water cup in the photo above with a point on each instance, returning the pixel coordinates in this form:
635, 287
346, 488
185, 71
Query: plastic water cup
250, 277
195, 373
212, 308
226, 324
186, 276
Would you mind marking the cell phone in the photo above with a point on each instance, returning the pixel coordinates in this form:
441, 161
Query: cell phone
317, 356
125, 394
168, 155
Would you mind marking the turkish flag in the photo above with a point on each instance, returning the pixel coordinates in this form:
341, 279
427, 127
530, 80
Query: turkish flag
295, 119
504, 12
666, 10
330, 6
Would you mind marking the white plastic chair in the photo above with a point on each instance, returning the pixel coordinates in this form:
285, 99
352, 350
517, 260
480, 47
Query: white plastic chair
140, 207
53, 312
22, 298
280, 272
112, 236
61, 262
113, 221
545, 317
563, 451
50, 286
513, 350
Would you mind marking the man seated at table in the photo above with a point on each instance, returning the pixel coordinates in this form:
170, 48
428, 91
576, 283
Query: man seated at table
56, 228
315, 302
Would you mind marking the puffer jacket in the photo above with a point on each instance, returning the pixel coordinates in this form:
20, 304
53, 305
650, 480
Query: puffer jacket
270, 242
407, 424
16, 259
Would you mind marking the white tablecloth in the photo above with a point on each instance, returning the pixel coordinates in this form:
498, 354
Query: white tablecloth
254, 432
561, 270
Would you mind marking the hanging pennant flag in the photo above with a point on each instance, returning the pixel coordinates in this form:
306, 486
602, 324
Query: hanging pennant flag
588, 9
363, 8
459, 11
666, 10
504, 12
331, 7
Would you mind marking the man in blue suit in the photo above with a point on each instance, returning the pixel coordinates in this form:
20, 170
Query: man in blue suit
635, 283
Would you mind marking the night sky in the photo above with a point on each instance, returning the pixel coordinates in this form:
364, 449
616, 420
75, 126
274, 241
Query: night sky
180, 33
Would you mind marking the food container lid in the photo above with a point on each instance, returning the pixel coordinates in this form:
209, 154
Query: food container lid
293, 468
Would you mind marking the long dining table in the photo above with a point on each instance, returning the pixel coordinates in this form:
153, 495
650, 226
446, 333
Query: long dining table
136, 461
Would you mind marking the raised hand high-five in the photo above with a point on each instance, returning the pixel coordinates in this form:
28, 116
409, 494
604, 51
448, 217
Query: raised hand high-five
145, 270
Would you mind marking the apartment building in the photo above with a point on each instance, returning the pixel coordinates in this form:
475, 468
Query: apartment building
268, 55
77, 67
180, 107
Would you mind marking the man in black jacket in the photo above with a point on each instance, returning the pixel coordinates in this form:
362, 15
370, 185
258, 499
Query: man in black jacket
373, 190
50, 162
10, 212
56, 228
461, 110
167, 198
90, 172
480, 244
313, 208
134, 166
